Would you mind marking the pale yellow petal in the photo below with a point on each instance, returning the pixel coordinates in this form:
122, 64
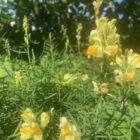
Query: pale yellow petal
112, 50
38, 137
28, 115
95, 86
84, 77
63, 122
25, 131
68, 78
45, 118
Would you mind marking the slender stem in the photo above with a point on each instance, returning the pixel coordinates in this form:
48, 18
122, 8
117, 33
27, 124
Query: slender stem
28, 53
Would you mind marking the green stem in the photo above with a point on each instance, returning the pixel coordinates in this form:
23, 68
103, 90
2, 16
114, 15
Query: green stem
28, 53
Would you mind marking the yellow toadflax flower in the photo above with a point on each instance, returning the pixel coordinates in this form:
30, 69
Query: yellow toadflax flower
94, 50
91, 50
128, 64
104, 88
31, 129
69, 78
84, 77
118, 76
130, 76
45, 118
28, 116
133, 59
121, 77
68, 131
112, 50
25, 132
28, 131
18, 78
95, 86
36, 132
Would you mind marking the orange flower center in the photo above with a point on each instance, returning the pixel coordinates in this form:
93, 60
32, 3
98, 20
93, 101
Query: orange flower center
130, 76
113, 51
35, 131
65, 132
91, 50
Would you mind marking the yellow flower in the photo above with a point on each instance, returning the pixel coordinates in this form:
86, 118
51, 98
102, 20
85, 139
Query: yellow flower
28, 116
95, 50
18, 78
121, 77
68, 131
128, 65
130, 76
133, 59
95, 86
65, 132
91, 50
112, 50
136, 61
101, 88
28, 131
64, 123
68, 78
104, 88
25, 132
45, 118
118, 76
36, 132
121, 61
84, 77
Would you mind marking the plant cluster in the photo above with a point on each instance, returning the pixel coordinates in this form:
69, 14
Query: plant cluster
68, 96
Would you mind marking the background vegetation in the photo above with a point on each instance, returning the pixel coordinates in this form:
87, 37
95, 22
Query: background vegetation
49, 16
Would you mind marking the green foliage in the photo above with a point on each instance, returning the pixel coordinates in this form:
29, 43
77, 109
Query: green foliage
43, 87
45, 17
84, 91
